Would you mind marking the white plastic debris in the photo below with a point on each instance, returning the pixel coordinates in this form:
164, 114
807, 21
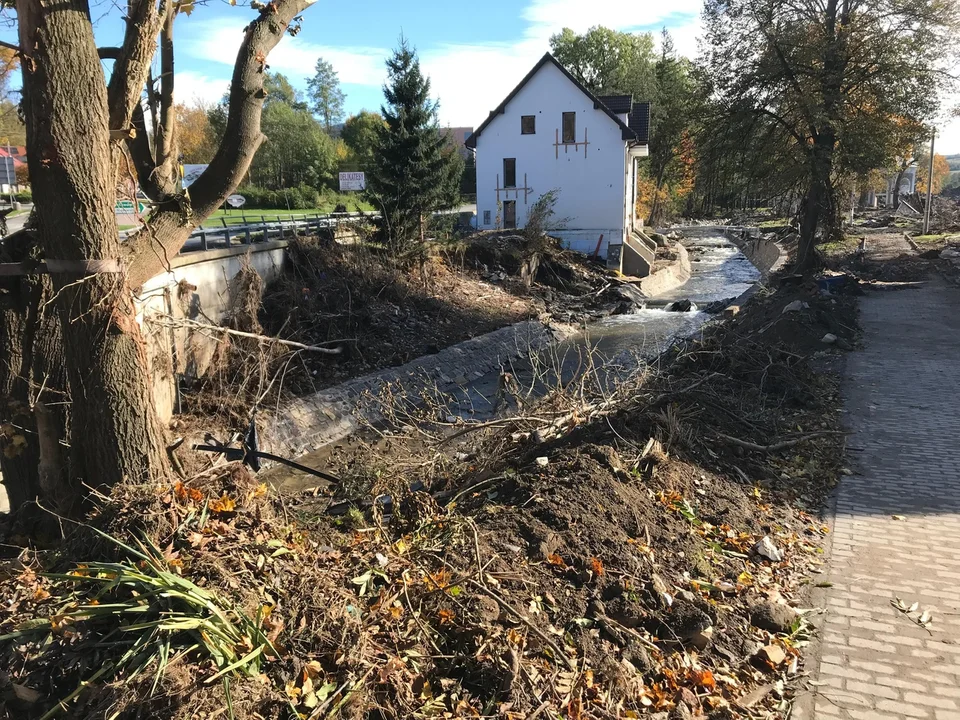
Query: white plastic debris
766, 548
543, 461
828, 339
795, 306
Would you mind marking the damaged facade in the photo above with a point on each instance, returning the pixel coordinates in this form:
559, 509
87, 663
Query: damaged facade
553, 133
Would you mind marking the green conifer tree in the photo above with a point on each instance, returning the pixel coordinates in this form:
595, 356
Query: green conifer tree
415, 173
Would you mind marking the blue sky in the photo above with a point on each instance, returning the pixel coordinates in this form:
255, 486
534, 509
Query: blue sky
474, 53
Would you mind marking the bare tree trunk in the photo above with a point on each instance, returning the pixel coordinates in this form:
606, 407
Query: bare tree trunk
116, 435
818, 202
896, 188
32, 387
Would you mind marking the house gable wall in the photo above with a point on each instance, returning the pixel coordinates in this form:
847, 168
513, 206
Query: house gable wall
590, 178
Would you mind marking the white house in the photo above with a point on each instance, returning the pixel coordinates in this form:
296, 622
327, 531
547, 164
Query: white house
551, 132
908, 183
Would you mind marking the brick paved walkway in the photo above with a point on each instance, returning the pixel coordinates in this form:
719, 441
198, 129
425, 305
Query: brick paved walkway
903, 396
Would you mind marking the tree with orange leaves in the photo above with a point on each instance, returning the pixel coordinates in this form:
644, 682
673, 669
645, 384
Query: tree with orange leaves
827, 80
941, 170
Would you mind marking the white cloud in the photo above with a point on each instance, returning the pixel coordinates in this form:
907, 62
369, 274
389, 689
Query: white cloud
218, 41
469, 79
685, 37
549, 16
193, 87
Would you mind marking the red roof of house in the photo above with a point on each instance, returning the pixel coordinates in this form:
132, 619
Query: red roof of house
17, 152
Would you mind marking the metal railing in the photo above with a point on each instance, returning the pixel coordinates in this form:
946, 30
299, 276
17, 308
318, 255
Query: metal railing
256, 228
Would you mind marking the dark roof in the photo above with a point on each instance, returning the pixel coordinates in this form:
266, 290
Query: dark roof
620, 104
626, 131
639, 121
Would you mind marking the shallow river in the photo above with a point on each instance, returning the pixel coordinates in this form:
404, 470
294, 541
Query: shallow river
618, 343
719, 272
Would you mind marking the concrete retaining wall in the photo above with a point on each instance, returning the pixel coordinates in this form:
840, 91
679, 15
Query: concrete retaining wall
197, 287
668, 277
307, 424
765, 254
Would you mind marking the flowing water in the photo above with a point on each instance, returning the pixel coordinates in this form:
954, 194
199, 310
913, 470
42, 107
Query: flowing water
617, 345
719, 272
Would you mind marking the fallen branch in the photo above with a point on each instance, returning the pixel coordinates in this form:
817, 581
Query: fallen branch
783, 445
560, 655
172, 322
489, 424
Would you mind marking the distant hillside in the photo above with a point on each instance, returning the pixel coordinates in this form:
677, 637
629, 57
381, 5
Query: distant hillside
953, 161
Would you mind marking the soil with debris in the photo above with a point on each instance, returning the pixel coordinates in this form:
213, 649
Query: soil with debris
637, 554
375, 311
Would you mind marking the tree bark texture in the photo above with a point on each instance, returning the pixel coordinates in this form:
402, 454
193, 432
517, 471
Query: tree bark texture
33, 397
115, 434
177, 215
818, 201
70, 111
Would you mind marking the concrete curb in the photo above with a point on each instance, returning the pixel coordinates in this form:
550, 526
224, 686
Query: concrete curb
766, 255
309, 423
912, 243
669, 277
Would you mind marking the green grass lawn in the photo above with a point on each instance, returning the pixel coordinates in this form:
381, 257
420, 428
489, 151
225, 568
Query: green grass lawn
774, 222
236, 217
934, 238
839, 248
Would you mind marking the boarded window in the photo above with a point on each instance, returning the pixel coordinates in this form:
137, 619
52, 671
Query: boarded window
486, 217
509, 214
569, 127
528, 124
509, 172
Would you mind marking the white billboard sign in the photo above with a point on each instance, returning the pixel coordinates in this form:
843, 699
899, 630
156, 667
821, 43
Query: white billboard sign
352, 181
191, 173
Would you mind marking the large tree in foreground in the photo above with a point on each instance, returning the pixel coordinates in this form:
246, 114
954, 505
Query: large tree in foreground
826, 79
83, 132
416, 172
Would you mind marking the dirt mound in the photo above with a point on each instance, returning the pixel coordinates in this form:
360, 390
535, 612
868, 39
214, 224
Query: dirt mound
599, 557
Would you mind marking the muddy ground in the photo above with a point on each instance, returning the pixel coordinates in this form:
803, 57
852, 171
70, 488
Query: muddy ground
376, 311
638, 553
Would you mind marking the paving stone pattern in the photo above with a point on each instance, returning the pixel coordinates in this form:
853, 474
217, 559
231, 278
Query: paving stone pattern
903, 396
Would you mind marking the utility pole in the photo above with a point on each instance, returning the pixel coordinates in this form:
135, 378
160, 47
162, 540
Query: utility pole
926, 214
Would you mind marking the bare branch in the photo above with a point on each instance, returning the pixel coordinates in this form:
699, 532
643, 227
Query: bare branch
133, 59
171, 224
169, 321
166, 131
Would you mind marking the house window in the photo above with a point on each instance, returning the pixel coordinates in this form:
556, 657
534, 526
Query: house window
528, 124
509, 172
509, 214
486, 217
569, 127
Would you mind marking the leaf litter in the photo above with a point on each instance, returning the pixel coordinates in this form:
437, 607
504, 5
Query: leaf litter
616, 581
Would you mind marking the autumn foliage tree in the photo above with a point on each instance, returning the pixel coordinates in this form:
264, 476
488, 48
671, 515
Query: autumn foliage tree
825, 83
85, 129
941, 170
198, 143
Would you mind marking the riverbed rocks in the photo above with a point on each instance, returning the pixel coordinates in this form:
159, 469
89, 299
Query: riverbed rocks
775, 617
682, 306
